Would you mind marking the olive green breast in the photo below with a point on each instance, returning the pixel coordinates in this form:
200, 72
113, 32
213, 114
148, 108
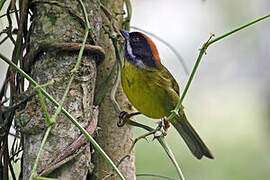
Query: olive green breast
152, 91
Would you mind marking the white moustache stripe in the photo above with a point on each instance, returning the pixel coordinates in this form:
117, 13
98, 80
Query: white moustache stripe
129, 50
135, 61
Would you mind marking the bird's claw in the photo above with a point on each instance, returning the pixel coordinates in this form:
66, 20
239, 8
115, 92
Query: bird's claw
123, 116
158, 134
165, 125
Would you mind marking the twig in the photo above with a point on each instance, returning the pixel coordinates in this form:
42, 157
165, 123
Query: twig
16, 14
114, 89
44, 108
118, 65
124, 116
8, 13
4, 87
3, 40
5, 160
44, 178
162, 142
134, 123
133, 145
16, 154
155, 175
9, 28
50, 122
11, 170
40, 151
126, 22
169, 152
18, 44
202, 52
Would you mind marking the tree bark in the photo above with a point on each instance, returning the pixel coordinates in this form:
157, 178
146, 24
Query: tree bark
54, 23
114, 140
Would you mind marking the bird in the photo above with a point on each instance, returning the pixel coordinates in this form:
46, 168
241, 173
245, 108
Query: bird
152, 89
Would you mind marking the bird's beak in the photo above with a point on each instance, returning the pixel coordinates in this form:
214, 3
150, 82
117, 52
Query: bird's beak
125, 34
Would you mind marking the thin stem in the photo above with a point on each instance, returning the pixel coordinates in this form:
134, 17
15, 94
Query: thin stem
155, 175
40, 151
118, 76
169, 152
133, 145
202, 52
44, 108
79, 59
85, 15
134, 123
194, 70
238, 29
18, 70
44, 178
114, 88
162, 142
59, 109
77, 65
129, 14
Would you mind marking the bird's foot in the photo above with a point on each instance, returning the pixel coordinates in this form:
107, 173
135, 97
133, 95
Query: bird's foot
124, 116
165, 125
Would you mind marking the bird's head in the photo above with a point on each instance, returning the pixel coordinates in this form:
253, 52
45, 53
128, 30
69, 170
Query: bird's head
140, 50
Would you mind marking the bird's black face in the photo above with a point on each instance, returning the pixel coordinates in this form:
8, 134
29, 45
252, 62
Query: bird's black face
138, 50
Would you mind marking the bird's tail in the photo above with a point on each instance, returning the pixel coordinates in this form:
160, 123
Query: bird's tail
190, 136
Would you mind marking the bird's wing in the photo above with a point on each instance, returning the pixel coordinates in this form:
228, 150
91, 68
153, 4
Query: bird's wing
168, 76
163, 78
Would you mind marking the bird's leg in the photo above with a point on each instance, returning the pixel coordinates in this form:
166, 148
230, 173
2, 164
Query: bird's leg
164, 124
123, 116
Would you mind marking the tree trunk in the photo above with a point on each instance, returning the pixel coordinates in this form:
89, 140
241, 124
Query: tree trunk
53, 22
114, 140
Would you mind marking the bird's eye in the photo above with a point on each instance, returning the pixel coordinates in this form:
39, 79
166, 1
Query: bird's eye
135, 39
